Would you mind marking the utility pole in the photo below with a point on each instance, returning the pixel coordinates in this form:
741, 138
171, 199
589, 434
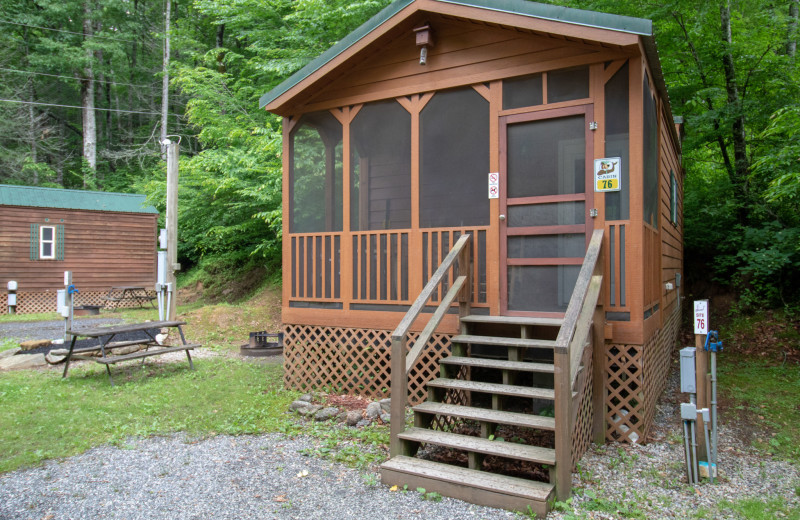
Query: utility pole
172, 226
165, 79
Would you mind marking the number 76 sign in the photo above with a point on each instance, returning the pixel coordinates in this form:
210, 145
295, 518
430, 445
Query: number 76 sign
701, 317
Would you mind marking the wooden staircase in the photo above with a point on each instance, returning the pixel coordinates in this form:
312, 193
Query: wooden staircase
494, 364
487, 433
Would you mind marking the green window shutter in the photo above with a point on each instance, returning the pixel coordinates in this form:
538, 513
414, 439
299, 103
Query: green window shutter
34, 241
59, 242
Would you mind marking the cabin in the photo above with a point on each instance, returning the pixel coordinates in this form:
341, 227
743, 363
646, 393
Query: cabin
482, 218
105, 239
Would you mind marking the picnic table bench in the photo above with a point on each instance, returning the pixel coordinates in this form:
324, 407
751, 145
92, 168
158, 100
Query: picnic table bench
106, 346
128, 293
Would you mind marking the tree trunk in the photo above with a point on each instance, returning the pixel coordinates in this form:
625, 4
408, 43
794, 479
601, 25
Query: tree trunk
741, 167
87, 100
165, 82
791, 40
220, 41
32, 133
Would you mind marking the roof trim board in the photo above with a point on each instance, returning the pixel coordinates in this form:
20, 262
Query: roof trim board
546, 13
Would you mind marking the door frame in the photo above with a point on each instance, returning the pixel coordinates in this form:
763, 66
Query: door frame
587, 110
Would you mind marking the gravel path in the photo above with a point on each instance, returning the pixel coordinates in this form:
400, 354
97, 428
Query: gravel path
257, 477
623, 481
218, 478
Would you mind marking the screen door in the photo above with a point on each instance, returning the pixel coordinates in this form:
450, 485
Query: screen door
545, 223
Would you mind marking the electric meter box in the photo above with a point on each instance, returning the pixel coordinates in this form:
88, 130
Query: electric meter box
688, 377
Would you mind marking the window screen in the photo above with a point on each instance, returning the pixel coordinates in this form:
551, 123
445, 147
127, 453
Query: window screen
617, 141
650, 156
380, 189
454, 151
568, 84
316, 174
522, 92
548, 157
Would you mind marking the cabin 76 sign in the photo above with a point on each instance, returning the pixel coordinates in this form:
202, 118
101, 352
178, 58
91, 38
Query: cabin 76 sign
607, 174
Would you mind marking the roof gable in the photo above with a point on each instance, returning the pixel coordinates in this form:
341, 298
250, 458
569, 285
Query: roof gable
35, 197
591, 26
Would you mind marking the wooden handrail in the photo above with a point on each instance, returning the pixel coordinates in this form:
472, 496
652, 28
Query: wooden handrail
575, 334
402, 364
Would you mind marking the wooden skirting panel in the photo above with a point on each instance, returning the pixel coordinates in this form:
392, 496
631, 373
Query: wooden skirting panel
354, 361
34, 302
582, 429
635, 377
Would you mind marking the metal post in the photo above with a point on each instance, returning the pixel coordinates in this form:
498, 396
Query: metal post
69, 303
172, 223
714, 433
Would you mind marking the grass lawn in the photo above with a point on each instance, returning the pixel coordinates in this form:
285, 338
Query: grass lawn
43, 416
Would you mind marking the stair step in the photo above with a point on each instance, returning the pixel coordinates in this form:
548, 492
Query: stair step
493, 388
486, 415
510, 450
514, 320
500, 364
477, 487
503, 342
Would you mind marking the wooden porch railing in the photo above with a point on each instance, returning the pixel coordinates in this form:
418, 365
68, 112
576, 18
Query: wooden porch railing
401, 364
582, 328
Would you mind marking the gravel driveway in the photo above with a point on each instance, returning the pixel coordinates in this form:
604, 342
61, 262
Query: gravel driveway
222, 477
24, 331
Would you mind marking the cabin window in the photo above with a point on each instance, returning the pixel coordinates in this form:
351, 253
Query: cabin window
454, 152
47, 242
316, 174
567, 84
522, 92
617, 141
673, 198
650, 195
380, 179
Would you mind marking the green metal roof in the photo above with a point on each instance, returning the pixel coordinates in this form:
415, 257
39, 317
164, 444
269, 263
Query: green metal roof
73, 199
556, 13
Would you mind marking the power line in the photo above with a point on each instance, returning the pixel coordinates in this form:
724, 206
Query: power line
68, 32
82, 107
78, 79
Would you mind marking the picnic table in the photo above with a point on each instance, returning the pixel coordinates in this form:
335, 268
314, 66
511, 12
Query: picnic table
106, 346
128, 293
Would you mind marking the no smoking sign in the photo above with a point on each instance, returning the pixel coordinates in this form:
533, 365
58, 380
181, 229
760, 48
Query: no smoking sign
494, 185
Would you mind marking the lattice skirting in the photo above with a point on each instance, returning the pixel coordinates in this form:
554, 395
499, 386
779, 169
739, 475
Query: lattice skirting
354, 361
33, 302
635, 377
582, 430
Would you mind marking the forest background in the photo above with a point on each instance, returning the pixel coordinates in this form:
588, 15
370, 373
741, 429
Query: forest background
83, 85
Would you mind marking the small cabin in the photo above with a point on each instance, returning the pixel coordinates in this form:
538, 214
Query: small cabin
105, 239
544, 136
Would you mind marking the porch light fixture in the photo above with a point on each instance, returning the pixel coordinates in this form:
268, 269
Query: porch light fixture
424, 40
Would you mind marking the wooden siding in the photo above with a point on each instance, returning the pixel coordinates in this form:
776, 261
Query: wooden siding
373, 269
671, 233
102, 249
464, 53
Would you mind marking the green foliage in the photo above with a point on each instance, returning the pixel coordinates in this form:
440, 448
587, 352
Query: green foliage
755, 509
774, 398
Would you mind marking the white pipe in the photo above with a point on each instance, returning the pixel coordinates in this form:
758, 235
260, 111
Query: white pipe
710, 466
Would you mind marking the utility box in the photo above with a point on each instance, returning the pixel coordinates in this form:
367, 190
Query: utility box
688, 380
